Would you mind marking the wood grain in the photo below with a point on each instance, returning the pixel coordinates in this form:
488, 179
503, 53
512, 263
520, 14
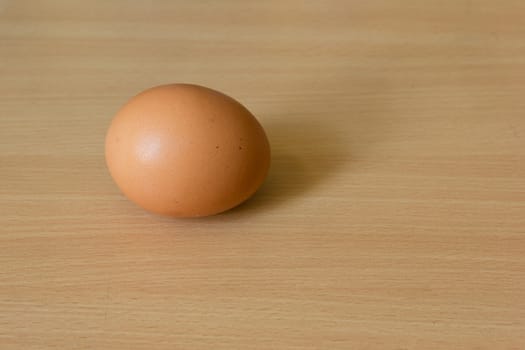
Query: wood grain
393, 218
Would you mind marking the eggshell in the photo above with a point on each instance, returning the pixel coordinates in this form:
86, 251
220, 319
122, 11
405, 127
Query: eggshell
186, 150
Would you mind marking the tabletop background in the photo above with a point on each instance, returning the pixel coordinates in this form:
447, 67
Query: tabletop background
393, 216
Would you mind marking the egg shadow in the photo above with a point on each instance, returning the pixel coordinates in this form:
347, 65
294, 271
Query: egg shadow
301, 160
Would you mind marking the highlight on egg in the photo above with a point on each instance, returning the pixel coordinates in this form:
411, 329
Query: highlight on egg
185, 150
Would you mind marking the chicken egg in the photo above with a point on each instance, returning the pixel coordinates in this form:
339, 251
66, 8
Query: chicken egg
185, 150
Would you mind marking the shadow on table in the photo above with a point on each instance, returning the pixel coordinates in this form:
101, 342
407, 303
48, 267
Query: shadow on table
304, 154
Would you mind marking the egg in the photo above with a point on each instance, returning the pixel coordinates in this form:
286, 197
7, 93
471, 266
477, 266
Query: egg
185, 150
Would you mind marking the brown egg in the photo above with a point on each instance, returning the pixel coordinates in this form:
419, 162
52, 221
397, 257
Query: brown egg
186, 150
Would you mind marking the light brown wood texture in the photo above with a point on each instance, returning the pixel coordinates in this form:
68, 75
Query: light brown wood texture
393, 217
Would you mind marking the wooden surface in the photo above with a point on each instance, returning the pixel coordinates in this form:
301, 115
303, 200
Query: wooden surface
393, 218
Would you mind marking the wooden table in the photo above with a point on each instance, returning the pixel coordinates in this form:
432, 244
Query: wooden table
393, 217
